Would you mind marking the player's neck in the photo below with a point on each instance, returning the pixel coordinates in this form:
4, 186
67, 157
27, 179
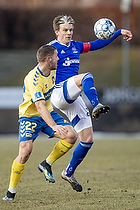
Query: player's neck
45, 71
62, 42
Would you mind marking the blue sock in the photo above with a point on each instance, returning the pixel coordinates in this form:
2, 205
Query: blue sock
89, 89
79, 153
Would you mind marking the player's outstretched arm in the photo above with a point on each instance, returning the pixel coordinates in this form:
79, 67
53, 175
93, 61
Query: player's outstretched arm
127, 34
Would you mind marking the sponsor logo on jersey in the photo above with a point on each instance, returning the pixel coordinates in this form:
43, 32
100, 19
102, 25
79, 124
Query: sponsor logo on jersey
38, 95
68, 62
48, 94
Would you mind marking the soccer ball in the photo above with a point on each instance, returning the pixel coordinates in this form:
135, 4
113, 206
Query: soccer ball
104, 28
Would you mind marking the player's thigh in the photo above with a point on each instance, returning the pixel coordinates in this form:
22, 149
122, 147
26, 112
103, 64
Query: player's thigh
65, 94
73, 87
57, 98
78, 114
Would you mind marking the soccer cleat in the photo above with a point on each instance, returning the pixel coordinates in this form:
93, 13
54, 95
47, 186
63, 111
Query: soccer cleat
74, 183
100, 109
9, 196
47, 172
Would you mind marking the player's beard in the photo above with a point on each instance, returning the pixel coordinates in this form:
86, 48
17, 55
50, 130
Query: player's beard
53, 66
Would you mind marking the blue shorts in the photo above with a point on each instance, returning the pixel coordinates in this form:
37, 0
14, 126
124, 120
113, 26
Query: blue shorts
30, 127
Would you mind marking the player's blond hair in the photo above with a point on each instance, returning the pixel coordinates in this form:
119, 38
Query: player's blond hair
45, 51
61, 19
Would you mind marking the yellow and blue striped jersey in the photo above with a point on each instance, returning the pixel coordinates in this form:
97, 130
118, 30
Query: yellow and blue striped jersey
36, 86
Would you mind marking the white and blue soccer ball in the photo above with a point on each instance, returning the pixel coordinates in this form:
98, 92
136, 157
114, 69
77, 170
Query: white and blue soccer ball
104, 28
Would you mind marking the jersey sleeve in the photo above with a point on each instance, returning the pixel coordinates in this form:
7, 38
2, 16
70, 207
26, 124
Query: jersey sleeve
98, 44
86, 47
37, 96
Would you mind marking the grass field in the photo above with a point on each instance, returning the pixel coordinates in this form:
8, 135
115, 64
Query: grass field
110, 176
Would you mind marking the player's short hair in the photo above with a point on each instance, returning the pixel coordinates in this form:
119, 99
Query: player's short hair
61, 19
45, 51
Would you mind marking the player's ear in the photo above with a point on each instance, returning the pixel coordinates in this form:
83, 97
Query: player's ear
56, 32
49, 58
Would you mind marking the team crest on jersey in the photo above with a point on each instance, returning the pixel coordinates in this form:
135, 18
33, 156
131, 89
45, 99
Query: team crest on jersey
53, 79
74, 50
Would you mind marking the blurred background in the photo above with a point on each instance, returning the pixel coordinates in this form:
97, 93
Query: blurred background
25, 25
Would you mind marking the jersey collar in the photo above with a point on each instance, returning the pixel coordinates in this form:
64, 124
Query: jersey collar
41, 72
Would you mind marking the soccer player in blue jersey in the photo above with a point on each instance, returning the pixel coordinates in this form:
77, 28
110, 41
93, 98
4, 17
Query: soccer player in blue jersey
36, 114
69, 85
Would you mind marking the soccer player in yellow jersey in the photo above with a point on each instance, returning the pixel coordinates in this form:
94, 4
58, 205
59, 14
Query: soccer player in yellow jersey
36, 114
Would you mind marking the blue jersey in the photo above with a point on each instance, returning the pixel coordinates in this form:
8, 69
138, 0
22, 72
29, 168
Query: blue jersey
69, 59
69, 55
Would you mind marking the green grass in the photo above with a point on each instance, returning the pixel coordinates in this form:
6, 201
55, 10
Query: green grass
110, 176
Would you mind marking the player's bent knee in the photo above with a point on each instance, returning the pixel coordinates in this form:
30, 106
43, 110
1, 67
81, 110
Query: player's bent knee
72, 135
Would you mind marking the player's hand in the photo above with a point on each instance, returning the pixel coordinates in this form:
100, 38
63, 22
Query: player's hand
127, 34
60, 129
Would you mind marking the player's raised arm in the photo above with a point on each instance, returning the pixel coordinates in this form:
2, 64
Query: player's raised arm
106, 32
